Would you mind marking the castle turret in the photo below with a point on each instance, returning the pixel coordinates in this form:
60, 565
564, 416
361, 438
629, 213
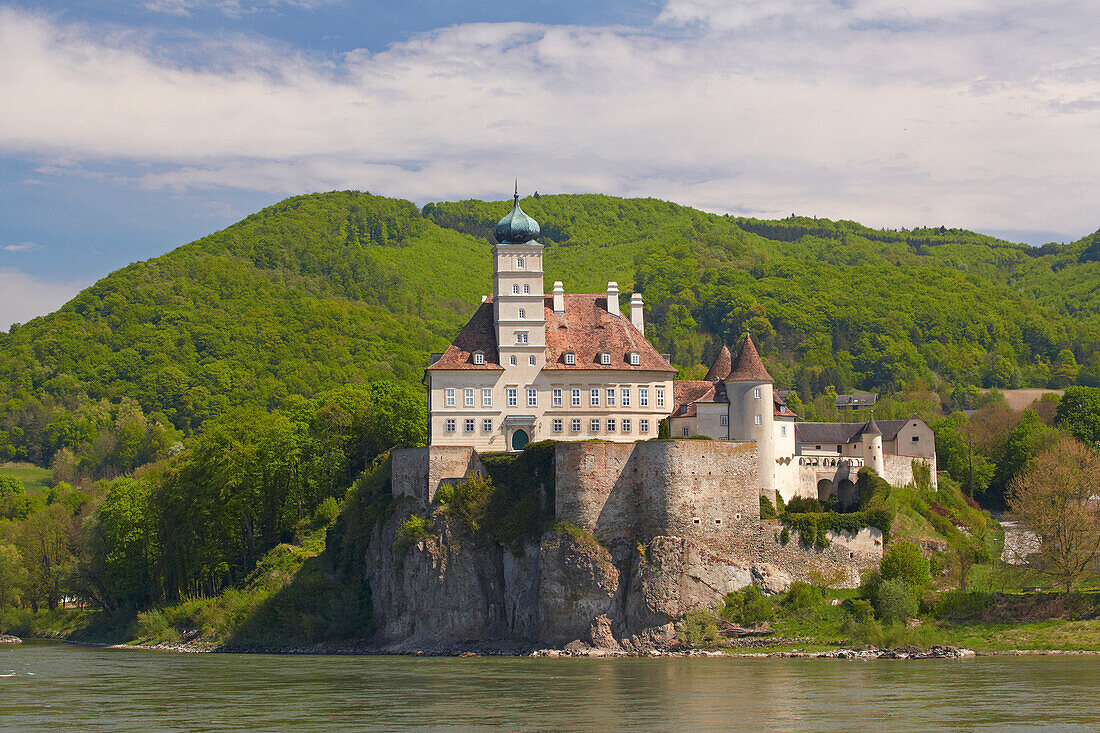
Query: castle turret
751, 416
518, 294
872, 447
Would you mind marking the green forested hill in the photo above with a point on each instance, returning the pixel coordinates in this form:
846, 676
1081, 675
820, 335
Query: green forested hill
345, 287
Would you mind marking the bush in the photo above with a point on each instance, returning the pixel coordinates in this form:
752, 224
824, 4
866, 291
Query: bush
153, 626
785, 536
803, 505
747, 607
699, 630
325, 512
895, 601
803, 597
869, 582
860, 608
767, 509
906, 563
956, 604
413, 529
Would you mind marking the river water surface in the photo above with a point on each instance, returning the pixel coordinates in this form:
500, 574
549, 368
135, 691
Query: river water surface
63, 687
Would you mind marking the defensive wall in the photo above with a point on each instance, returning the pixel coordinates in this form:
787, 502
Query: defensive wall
419, 472
899, 468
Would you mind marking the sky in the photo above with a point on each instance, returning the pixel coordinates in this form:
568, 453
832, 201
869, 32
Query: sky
130, 127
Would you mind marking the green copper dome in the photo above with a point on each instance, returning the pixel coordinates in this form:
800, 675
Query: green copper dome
516, 227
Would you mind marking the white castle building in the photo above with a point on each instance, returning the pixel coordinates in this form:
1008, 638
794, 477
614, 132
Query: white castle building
528, 366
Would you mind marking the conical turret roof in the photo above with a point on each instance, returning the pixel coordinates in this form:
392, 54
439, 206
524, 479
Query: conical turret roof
871, 427
721, 367
749, 367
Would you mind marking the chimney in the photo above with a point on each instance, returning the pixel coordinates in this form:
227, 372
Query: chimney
636, 312
559, 297
613, 298
484, 298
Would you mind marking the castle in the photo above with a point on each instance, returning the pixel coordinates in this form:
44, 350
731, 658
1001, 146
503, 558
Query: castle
528, 366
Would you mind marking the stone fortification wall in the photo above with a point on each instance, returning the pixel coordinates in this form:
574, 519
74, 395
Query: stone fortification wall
899, 469
662, 487
419, 472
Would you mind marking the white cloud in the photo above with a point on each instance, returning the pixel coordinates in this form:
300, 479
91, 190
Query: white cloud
21, 247
232, 8
971, 113
23, 297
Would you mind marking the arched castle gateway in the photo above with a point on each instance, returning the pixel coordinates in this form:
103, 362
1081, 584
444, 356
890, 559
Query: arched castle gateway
530, 366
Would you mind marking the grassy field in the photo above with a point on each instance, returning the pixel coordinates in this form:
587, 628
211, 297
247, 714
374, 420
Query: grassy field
34, 478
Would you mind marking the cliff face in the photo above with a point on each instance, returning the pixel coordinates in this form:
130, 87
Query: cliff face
446, 590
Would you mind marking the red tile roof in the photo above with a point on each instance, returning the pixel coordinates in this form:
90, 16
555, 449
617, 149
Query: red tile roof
781, 409
722, 365
478, 334
585, 328
749, 365
687, 392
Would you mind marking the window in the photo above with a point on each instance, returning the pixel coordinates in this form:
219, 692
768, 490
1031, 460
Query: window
468, 397
450, 425
643, 396
634, 359
916, 438
626, 425
486, 398
513, 397
519, 263
576, 398
449, 397
523, 314
531, 360
687, 431
479, 358
526, 289
755, 392
512, 360
756, 419
660, 398
557, 397
594, 425
575, 425
610, 396
515, 290
605, 358
594, 398
610, 424
487, 425
570, 358
783, 430
521, 337
724, 420
557, 425
643, 425
469, 425
532, 397
839, 449
626, 397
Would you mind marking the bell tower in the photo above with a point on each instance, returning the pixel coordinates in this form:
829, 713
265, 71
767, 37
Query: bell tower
518, 290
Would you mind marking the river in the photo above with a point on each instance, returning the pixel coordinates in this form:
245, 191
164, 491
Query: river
46, 685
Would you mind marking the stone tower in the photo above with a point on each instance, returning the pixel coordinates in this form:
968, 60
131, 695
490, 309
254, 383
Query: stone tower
751, 416
872, 447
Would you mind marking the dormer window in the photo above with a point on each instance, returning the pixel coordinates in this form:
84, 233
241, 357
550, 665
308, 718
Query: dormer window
519, 263
570, 358
605, 358
479, 357
522, 313
635, 360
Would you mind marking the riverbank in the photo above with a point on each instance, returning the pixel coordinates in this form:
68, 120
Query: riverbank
6, 639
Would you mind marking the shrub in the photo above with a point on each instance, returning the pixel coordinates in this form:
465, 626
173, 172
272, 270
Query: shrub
325, 512
748, 607
803, 505
869, 582
153, 626
785, 536
861, 609
803, 597
767, 509
699, 630
413, 529
956, 604
895, 601
906, 563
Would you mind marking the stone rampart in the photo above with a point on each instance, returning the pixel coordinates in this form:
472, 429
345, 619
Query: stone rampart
419, 472
661, 487
899, 469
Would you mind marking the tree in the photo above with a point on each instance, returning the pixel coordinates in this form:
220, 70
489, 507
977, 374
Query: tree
46, 546
905, 562
14, 502
1056, 498
1065, 369
13, 575
1026, 441
1079, 413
